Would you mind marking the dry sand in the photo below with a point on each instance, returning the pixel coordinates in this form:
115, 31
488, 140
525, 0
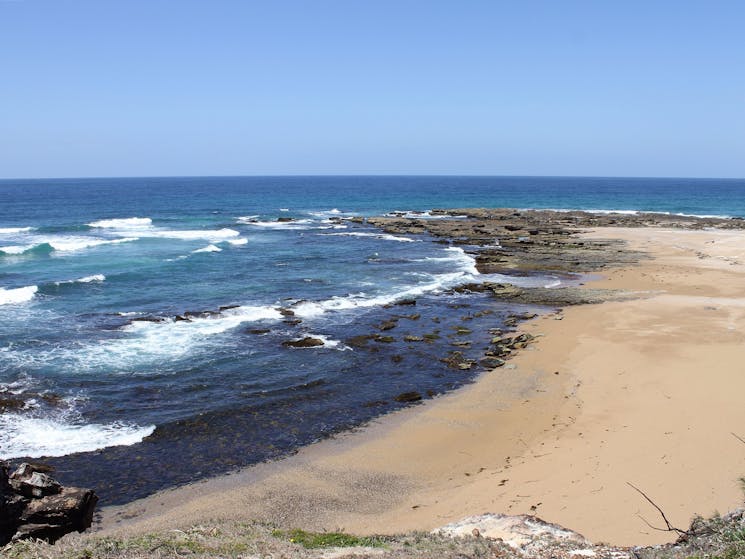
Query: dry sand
647, 391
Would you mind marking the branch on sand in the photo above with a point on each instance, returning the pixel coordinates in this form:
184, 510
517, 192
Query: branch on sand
670, 528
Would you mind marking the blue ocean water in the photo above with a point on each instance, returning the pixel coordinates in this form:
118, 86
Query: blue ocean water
142, 320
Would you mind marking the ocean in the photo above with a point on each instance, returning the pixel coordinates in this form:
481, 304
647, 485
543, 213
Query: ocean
144, 321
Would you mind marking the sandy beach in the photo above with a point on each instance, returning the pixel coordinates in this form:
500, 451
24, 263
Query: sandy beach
647, 391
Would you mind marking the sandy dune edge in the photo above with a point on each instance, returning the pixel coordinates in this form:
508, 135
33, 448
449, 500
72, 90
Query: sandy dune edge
648, 391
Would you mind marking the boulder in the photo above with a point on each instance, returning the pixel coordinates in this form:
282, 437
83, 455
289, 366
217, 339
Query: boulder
34, 505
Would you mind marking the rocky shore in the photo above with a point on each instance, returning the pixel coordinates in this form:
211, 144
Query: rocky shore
511, 243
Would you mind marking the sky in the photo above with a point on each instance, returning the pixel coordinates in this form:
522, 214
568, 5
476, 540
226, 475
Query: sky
229, 87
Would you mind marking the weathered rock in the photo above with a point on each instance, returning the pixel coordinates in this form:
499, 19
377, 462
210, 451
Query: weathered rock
410, 338
388, 325
258, 331
403, 302
384, 339
33, 505
491, 362
516, 531
30, 483
303, 342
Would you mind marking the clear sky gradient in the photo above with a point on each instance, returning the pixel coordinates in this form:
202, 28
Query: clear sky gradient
230, 87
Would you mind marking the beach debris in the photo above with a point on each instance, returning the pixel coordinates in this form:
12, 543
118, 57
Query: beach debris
33, 505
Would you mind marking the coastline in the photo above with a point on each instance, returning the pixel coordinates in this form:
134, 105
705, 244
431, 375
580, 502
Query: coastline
648, 392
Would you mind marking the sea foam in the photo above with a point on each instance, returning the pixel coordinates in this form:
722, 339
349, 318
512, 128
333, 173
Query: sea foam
124, 223
17, 295
382, 236
208, 248
86, 279
34, 437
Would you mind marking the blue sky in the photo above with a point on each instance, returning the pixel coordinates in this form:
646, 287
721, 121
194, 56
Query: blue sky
182, 87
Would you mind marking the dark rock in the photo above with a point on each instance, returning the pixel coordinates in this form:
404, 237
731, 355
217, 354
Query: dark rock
359, 341
384, 339
51, 517
10, 402
285, 219
397, 358
182, 318
303, 342
415, 316
388, 325
491, 362
227, 307
456, 360
286, 312
33, 505
258, 331
407, 397
410, 338
292, 321
402, 302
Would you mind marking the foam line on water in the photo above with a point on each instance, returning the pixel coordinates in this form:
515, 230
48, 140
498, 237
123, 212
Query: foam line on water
34, 437
123, 223
14, 230
382, 236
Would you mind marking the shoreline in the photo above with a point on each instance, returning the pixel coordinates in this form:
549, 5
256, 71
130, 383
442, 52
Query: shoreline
567, 443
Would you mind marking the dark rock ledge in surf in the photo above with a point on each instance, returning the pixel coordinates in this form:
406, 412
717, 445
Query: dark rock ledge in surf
509, 240
34, 506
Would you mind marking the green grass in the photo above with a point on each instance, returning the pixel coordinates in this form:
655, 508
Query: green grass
315, 540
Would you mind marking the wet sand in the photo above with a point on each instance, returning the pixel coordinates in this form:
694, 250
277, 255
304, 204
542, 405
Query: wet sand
646, 391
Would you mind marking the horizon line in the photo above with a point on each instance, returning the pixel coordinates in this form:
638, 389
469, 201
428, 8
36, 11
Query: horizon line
378, 174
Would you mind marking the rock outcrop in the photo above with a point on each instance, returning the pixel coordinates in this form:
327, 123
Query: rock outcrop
34, 505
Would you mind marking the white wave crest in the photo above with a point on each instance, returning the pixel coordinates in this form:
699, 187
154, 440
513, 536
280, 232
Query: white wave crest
16, 249
18, 295
124, 223
208, 248
468, 263
33, 437
13, 230
86, 279
382, 236
295, 224
72, 244
196, 234
238, 242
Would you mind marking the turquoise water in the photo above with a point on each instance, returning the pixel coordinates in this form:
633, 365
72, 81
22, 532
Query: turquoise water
100, 377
